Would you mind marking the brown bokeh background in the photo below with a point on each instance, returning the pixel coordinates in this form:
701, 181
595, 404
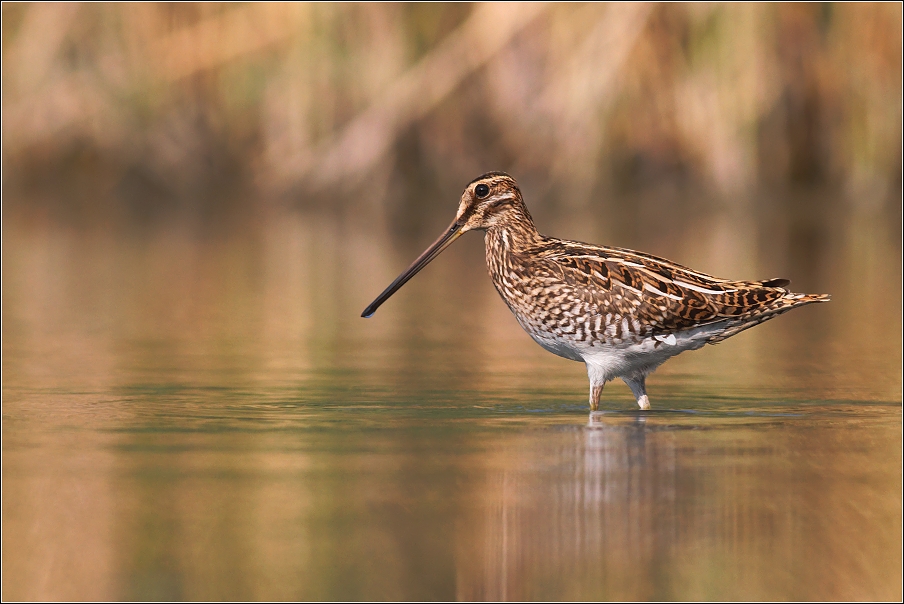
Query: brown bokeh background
264, 171
644, 113
200, 199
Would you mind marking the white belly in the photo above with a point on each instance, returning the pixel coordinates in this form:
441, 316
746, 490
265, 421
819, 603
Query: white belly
557, 346
638, 357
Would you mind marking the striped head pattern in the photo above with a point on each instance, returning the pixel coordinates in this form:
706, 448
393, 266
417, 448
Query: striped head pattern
491, 199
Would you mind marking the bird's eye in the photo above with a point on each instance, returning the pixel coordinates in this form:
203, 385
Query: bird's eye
482, 191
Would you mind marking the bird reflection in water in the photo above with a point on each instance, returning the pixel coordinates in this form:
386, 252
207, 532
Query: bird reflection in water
599, 501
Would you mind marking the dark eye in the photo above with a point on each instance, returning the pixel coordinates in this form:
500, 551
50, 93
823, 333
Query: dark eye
482, 191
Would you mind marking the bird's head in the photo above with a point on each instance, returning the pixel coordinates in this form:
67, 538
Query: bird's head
487, 201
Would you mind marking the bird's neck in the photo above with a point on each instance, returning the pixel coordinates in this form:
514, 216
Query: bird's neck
517, 234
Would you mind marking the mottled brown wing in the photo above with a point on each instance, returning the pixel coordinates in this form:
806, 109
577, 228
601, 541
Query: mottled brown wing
664, 297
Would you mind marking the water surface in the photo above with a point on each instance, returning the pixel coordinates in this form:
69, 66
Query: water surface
210, 419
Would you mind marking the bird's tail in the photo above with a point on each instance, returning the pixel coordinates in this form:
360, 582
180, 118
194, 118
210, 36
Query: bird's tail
787, 302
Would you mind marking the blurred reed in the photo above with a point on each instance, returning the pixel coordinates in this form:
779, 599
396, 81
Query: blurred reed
144, 110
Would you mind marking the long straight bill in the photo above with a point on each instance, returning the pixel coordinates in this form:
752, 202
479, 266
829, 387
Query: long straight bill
444, 241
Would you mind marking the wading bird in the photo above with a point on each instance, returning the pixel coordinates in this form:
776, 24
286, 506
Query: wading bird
622, 313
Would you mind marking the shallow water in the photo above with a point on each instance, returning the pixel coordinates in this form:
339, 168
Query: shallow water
210, 419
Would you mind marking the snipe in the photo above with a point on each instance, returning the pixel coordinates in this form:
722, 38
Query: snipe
622, 313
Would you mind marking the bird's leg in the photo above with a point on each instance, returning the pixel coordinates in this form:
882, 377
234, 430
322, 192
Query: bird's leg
597, 381
595, 392
638, 386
